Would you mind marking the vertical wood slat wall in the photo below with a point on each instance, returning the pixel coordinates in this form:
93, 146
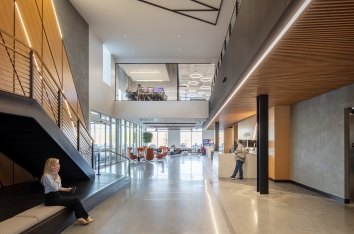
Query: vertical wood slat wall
279, 143
40, 22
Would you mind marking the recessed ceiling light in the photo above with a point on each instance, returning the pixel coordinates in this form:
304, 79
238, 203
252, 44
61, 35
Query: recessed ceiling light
193, 82
125, 36
192, 95
178, 36
205, 79
205, 87
144, 72
195, 75
201, 92
150, 80
192, 91
179, 49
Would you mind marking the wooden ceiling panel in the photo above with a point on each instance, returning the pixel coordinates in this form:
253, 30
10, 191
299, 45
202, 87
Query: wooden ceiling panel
314, 57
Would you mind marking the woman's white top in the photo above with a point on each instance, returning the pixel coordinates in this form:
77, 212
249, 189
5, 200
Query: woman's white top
50, 185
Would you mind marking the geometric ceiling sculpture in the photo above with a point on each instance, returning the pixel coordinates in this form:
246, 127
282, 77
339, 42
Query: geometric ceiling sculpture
206, 11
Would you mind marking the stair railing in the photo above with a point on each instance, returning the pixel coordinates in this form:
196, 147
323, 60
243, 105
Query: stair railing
23, 72
230, 27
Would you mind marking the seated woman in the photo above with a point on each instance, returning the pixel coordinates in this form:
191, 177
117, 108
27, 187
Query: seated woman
52, 188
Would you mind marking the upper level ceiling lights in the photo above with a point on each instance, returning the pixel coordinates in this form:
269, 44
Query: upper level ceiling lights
205, 79
195, 75
193, 82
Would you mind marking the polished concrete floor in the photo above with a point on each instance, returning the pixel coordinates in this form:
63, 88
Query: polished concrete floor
183, 195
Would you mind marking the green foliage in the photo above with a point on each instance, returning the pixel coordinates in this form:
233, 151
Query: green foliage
147, 137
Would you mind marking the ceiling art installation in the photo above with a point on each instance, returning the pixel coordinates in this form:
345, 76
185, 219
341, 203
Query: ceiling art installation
206, 11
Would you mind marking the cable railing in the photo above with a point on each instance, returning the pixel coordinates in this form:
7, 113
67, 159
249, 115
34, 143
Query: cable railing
23, 72
227, 37
119, 159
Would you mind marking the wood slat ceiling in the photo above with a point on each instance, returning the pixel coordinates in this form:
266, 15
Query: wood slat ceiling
315, 56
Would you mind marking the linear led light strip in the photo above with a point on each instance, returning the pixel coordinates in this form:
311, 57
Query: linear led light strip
276, 40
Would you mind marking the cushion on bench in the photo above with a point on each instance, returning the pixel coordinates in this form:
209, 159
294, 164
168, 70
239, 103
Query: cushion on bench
41, 212
16, 225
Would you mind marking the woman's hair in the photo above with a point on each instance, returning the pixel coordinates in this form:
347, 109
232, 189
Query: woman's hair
240, 141
48, 166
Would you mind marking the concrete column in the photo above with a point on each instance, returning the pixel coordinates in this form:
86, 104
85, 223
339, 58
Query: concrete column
216, 141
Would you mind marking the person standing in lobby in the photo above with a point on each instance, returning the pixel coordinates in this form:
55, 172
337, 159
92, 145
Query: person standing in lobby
240, 157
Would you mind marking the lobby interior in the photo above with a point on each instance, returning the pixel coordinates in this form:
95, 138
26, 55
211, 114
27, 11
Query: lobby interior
294, 56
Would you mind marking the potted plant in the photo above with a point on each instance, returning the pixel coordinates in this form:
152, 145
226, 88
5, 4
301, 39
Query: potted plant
147, 137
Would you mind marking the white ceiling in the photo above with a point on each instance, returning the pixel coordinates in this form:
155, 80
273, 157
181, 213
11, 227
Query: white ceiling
136, 32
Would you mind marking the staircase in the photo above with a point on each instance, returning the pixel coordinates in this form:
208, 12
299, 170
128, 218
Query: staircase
37, 121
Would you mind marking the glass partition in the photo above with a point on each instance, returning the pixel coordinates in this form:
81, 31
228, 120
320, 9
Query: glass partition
146, 82
164, 82
115, 135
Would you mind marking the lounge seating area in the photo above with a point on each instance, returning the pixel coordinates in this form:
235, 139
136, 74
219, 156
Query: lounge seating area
146, 94
147, 153
23, 211
29, 219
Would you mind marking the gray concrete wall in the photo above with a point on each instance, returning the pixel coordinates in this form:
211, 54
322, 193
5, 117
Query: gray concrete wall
318, 141
75, 32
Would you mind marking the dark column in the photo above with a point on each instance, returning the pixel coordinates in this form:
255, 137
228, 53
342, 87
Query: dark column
258, 140
216, 125
263, 143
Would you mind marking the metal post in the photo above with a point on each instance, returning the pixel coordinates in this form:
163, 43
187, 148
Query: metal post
237, 7
216, 136
59, 108
78, 134
98, 164
31, 74
92, 155
258, 140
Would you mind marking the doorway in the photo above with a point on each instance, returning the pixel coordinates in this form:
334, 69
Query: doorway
349, 152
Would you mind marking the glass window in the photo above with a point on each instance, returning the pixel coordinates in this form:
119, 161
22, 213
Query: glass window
197, 139
186, 138
221, 141
153, 143
146, 82
162, 139
114, 140
123, 138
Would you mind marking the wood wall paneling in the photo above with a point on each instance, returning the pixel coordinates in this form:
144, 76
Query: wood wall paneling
19, 31
69, 86
32, 22
282, 143
49, 62
53, 38
228, 139
8, 168
7, 15
271, 143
